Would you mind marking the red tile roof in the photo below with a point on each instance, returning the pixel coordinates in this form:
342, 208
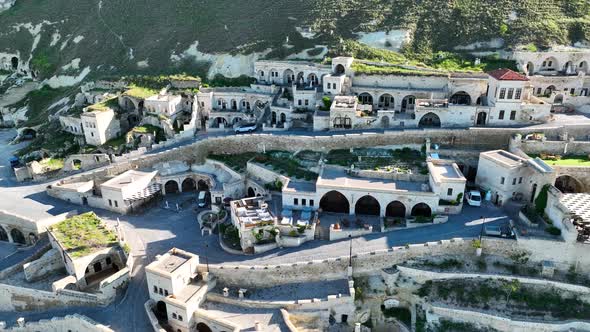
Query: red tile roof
507, 75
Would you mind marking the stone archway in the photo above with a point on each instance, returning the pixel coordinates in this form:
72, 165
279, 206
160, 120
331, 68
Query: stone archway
202, 327
17, 236
334, 201
171, 187
29, 133
460, 98
202, 185
569, 184
421, 210
189, 185
550, 90
408, 103
339, 69
395, 209
251, 192
386, 101
481, 119
429, 120
367, 205
530, 68
583, 67
3, 235
365, 98
288, 76
14, 63
76, 164
558, 99
385, 122
161, 311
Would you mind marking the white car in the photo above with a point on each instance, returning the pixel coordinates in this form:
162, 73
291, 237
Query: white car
247, 128
473, 198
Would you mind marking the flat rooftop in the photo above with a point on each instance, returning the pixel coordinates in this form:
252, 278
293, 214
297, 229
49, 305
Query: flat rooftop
445, 171
171, 262
127, 178
344, 101
294, 291
336, 177
163, 97
504, 157
299, 186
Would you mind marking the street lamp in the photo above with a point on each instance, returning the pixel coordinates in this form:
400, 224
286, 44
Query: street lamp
483, 221
350, 254
207, 258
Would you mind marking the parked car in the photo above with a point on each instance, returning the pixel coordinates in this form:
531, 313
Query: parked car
473, 198
202, 198
246, 128
499, 231
14, 161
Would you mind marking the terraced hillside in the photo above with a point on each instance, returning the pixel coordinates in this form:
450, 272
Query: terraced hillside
130, 36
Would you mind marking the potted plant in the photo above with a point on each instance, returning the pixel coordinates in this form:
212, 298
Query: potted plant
477, 245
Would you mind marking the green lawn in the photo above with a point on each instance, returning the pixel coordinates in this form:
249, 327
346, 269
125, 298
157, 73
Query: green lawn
83, 234
570, 161
52, 163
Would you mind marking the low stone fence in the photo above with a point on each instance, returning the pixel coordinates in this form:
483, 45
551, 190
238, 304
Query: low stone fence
344, 233
390, 175
423, 275
260, 248
73, 322
48, 263
434, 313
19, 266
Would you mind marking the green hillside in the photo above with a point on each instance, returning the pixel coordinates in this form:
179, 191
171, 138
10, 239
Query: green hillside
118, 34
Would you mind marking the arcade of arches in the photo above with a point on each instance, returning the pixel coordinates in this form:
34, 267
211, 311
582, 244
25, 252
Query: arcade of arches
336, 202
187, 185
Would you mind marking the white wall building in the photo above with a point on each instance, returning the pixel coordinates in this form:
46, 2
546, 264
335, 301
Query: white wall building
507, 176
100, 126
164, 104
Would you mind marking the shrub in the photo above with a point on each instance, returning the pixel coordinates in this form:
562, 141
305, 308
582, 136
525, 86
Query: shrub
553, 230
541, 200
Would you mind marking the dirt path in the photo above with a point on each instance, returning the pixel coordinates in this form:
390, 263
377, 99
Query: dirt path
15, 94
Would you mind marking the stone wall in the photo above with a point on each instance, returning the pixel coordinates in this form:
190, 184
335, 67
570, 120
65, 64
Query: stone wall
87, 161
73, 322
366, 263
502, 323
50, 262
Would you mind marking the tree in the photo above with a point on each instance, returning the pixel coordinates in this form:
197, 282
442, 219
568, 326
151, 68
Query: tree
510, 287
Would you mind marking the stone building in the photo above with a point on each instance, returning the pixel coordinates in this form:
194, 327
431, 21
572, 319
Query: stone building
100, 126
224, 108
507, 176
163, 104
353, 192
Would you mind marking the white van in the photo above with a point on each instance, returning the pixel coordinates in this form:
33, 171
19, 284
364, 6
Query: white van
202, 198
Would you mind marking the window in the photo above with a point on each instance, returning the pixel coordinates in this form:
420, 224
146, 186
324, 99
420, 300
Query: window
110, 203
295, 201
165, 292
544, 64
449, 191
161, 291
513, 115
262, 72
539, 91
550, 63
303, 201
501, 115
518, 93
520, 180
299, 102
513, 181
329, 85
510, 93
502, 93
180, 318
116, 204
174, 315
109, 261
92, 134
502, 180
156, 289
311, 202
572, 91
306, 102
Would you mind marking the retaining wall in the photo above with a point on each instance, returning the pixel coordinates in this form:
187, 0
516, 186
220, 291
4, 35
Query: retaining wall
73, 322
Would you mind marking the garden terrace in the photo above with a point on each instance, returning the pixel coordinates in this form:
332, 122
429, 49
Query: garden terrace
284, 163
52, 164
509, 297
83, 234
237, 162
379, 159
140, 92
558, 160
111, 103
